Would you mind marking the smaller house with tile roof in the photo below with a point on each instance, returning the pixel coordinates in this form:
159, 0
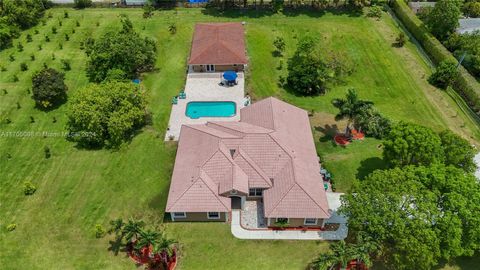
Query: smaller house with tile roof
218, 47
268, 155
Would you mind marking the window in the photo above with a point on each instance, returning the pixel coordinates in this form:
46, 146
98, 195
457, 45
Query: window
310, 221
255, 192
179, 215
213, 215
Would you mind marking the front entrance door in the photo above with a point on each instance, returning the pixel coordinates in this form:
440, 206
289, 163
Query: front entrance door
210, 68
236, 202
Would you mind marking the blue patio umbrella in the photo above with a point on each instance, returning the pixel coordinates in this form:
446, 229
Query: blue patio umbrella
136, 81
230, 75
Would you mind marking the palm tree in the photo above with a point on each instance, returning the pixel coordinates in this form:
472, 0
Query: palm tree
350, 107
132, 229
147, 238
165, 249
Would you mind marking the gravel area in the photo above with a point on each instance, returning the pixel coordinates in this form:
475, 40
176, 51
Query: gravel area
253, 216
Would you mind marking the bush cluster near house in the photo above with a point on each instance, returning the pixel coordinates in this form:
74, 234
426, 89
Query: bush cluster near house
16, 15
124, 50
49, 88
311, 70
106, 114
444, 74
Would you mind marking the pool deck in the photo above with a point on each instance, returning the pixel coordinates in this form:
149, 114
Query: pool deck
204, 87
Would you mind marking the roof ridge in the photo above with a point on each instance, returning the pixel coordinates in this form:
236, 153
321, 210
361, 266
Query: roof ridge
254, 165
214, 192
222, 42
308, 194
208, 133
281, 199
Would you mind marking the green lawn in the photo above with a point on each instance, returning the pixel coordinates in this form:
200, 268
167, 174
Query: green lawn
80, 188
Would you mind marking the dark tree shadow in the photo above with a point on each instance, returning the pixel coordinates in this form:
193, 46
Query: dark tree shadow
328, 130
117, 246
367, 166
265, 11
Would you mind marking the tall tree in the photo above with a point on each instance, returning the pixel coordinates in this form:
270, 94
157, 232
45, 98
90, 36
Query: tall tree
458, 151
106, 114
49, 88
123, 50
350, 107
443, 19
411, 144
418, 215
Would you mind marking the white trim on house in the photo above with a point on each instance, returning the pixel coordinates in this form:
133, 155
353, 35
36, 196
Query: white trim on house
214, 217
305, 221
178, 215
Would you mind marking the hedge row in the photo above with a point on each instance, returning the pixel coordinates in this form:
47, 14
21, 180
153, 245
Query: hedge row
465, 85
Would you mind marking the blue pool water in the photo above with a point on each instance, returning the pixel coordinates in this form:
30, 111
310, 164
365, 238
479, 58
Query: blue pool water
197, 109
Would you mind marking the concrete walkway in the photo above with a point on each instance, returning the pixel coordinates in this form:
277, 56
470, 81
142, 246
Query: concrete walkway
239, 232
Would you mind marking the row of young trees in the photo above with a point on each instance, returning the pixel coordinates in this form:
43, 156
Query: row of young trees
17, 15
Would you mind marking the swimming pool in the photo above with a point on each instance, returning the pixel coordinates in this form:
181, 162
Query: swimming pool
197, 109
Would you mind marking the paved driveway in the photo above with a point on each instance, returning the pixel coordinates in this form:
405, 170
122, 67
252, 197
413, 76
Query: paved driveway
205, 87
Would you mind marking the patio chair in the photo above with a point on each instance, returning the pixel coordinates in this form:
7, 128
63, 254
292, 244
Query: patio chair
174, 100
182, 95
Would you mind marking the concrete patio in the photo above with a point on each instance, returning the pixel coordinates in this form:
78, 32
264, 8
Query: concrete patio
205, 87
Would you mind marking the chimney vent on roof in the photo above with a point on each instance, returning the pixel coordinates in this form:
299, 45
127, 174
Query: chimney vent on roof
232, 152
271, 180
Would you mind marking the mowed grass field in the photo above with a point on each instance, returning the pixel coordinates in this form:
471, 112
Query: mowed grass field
80, 188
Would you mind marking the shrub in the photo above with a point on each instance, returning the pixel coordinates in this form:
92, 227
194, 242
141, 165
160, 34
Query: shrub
20, 47
373, 124
47, 152
39, 47
108, 113
279, 44
148, 10
32, 57
54, 30
67, 38
375, 12
65, 14
77, 23
11, 227
15, 78
32, 120
444, 74
82, 3
11, 57
172, 28
36, 32
99, 231
60, 46
29, 188
23, 67
29, 38
401, 39
49, 88
66, 65
47, 39
472, 9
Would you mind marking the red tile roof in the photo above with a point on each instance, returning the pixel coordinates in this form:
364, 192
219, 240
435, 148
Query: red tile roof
218, 44
271, 147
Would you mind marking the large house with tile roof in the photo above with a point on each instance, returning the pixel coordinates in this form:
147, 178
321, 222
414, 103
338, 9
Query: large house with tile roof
268, 155
218, 47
